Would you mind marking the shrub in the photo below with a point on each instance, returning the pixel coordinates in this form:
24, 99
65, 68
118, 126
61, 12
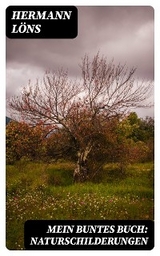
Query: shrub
23, 141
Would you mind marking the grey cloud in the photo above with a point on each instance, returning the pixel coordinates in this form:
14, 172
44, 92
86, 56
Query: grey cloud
123, 33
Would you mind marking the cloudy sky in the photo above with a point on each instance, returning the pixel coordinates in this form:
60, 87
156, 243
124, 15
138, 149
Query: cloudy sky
123, 33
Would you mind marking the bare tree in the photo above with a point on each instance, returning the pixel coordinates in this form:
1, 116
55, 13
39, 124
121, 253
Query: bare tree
83, 108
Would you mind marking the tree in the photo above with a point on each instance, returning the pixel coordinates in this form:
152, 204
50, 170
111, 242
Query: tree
85, 108
137, 135
23, 140
59, 145
143, 136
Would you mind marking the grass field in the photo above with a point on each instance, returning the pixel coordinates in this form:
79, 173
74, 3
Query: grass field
41, 191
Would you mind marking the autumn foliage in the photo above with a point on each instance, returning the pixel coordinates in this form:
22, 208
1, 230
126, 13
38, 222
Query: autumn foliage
88, 117
24, 141
127, 141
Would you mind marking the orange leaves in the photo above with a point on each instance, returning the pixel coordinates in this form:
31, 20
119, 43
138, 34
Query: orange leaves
23, 140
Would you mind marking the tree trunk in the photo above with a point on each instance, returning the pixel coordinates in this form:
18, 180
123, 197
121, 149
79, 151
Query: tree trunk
81, 171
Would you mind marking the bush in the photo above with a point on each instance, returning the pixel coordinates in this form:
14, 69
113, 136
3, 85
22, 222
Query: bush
24, 141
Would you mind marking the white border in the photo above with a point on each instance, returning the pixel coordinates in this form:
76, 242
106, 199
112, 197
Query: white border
3, 6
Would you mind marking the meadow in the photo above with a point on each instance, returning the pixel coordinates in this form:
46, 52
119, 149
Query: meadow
47, 191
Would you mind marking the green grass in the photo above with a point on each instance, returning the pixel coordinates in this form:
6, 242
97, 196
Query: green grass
41, 191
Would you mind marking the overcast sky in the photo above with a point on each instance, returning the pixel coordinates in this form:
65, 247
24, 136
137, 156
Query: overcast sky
123, 33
